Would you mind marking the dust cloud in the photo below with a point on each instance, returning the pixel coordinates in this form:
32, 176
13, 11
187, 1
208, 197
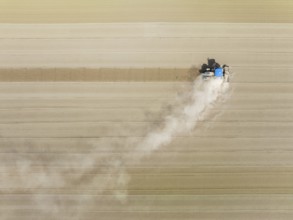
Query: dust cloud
108, 173
192, 106
185, 115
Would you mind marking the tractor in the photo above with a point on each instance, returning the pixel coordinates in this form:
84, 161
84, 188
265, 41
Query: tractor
213, 70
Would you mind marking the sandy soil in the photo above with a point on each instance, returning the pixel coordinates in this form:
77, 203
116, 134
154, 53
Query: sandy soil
66, 148
90, 11
97, 74
145, 45
143, 51
58, 138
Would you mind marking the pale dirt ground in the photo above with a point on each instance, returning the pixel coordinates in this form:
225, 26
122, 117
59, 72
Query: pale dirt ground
94, 11
58, 138
145, 45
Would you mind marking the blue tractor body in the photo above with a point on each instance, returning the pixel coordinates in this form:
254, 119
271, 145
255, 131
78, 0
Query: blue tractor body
219, 72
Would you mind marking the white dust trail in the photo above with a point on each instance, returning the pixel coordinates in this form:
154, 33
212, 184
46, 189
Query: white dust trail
193, 106
185, 116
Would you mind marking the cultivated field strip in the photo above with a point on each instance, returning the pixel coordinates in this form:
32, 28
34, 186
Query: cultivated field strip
87, 11
70, 149
205, 215
252, 74
53, 115
139, 59
177, 202
244, 170
146, 30
112, 145
144, 45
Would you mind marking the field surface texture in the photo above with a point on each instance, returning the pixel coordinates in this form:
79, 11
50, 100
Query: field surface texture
79, 100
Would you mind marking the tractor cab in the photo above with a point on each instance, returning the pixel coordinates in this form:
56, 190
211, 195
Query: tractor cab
214, 70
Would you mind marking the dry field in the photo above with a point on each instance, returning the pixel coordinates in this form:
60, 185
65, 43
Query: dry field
95, 11
77, 99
